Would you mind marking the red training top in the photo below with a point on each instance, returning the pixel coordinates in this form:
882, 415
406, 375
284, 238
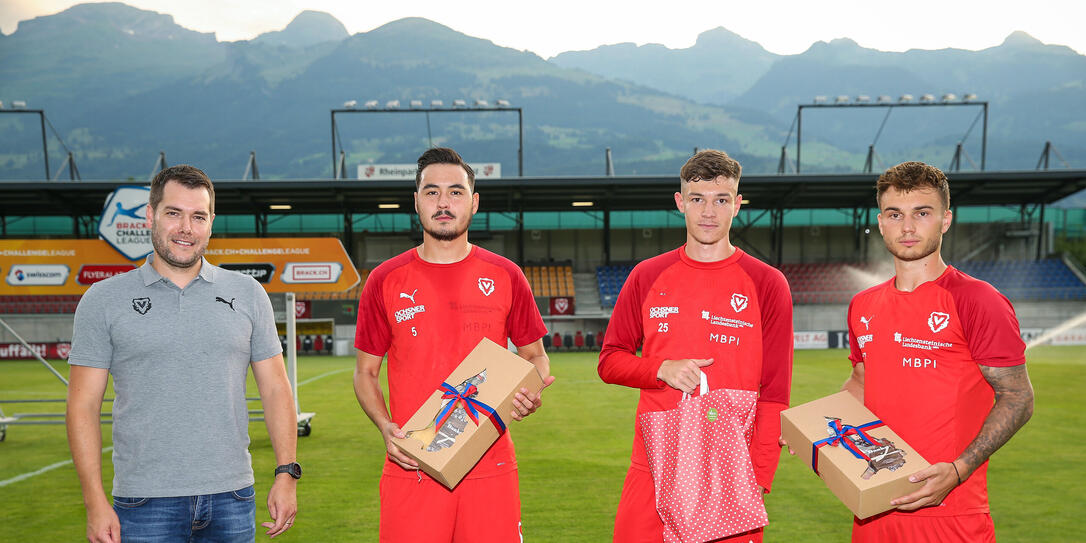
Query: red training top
737, 311
920, 352
428, 317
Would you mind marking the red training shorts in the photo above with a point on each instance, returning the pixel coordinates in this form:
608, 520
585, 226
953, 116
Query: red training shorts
476, 511
975, 528
637, 520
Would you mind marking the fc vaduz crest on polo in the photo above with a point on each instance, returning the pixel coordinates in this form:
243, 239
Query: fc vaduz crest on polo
141, 305
486, 285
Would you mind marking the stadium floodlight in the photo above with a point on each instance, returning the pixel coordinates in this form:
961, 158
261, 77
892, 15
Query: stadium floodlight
280, 207
744, 201
884, 99
18, 104
481, 103
949, 97
437, 103
583, 204
349, 104
392, 104
416, 104
503, 103
459, 103
388, 206
927, 97
841, 99
820, 99
863, 99
969, 96
905, 98
371, 103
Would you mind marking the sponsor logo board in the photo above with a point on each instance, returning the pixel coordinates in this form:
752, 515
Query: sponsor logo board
93, 273
261, 271
27, 275
406, 172
123, 223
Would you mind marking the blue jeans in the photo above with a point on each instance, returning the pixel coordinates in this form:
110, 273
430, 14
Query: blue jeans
227, 517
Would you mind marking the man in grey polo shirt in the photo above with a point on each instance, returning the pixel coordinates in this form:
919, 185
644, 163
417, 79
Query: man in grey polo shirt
179, 335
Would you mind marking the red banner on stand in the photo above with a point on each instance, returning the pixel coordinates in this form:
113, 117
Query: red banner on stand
561, 305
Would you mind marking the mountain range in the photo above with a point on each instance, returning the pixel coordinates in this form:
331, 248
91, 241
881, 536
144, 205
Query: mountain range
119, 84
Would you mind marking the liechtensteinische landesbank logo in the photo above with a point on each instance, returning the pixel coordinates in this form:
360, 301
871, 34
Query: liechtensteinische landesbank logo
124, 222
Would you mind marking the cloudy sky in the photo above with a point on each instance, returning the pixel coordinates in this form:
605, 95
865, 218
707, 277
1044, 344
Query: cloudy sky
548, 28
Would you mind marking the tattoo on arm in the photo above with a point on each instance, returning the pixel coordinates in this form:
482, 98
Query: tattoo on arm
1013, 407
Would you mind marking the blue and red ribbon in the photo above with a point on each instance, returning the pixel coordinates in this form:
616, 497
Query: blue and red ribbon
470, 404
840, 431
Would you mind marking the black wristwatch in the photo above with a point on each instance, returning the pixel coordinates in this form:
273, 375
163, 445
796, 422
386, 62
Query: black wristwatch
293, 468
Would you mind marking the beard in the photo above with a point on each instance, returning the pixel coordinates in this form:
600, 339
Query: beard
449, 232
162, 250
915, 253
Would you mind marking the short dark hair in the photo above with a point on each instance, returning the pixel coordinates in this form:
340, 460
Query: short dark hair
708, 165
910, 176
189, 176
442, 155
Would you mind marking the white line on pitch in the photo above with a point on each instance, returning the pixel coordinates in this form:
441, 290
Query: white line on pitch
50, 467
63, 463
323, 375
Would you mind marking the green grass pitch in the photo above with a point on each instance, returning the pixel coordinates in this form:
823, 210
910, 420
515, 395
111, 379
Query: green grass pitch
572, 454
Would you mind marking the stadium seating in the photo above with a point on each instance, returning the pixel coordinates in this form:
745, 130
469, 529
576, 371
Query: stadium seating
1023, 280
1029, 280
611, 279
43, 304
838, 282
830, 282
550, 279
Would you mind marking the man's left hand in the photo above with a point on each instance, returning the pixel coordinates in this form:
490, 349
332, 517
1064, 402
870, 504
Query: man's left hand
525, 404
939, 479
282, 504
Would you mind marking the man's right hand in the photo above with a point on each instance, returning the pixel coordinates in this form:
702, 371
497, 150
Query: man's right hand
103, 526
684, 375
389, 431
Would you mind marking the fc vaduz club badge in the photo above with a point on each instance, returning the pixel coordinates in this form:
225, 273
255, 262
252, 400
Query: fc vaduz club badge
937, 321
486, 285
562, 305
739, 302
141, 305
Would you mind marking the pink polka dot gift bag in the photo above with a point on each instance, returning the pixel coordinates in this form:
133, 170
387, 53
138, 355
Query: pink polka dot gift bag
700, 460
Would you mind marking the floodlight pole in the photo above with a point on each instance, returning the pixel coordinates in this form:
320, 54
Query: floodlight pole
41, 118
428, 110
982, 104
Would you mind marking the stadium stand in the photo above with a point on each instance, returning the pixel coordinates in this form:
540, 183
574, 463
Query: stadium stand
836, 282
1029, 280
550, 279
27, 304
610, 279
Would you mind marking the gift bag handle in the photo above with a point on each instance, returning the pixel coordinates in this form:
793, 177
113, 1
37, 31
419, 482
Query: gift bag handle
704, 388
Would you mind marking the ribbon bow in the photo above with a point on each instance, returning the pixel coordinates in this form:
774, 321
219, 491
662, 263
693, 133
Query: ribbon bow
840, 433
471, 406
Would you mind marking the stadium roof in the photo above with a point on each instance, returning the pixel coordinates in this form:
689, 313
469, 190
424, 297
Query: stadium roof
807, 191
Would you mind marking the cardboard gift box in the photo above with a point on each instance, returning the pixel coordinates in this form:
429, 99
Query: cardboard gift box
862, 461
465, 416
